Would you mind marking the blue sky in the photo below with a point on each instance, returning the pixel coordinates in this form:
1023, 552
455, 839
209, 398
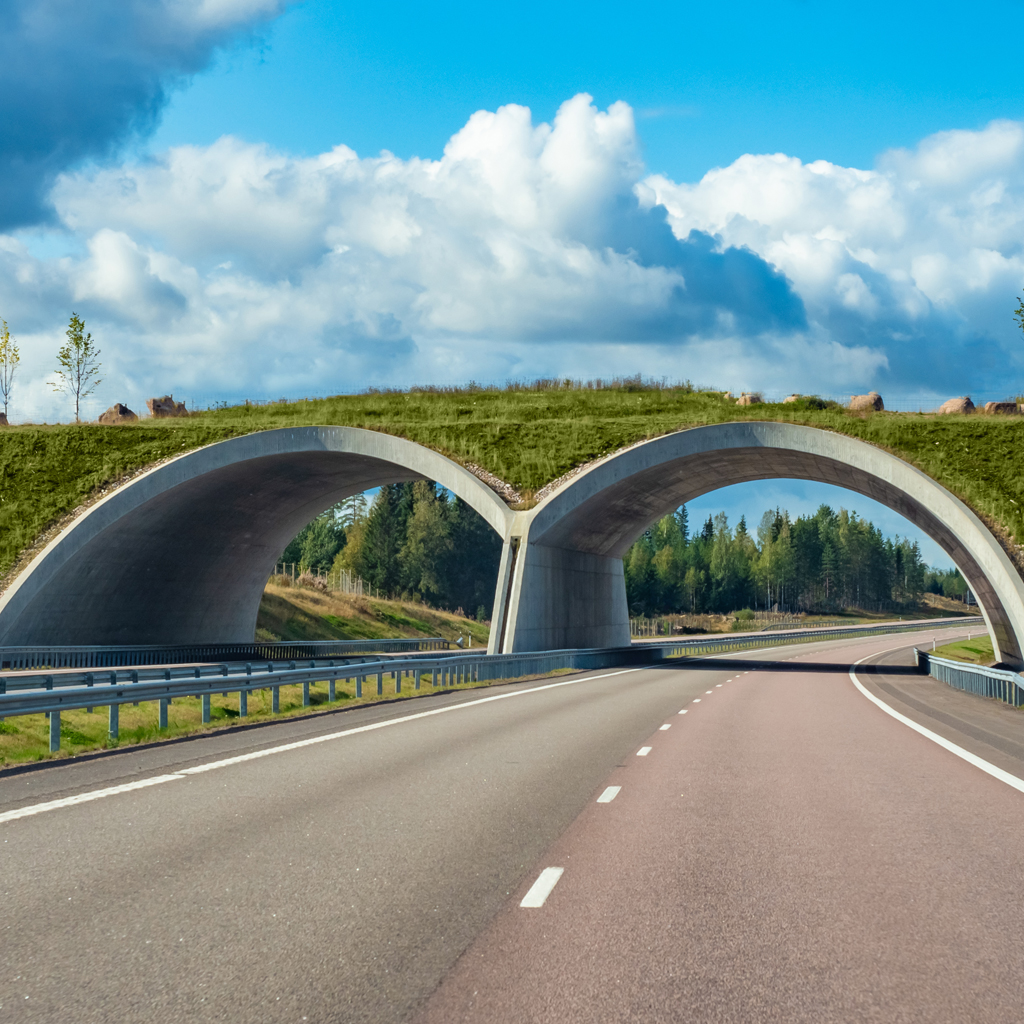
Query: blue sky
250, 198
710, 82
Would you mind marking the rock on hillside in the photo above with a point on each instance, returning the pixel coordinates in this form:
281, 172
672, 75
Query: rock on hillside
957, 405
861, 403
118, 413
161, 408
1002, 408
749, 398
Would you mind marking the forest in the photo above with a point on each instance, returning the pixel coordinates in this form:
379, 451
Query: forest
822, 563
415, 540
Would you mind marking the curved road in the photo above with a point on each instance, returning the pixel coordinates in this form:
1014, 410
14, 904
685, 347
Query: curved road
784, 851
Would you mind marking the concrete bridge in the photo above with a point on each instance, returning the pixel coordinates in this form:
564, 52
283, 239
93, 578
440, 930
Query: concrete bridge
181, 553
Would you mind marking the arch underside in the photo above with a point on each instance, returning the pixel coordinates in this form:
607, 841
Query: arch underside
599, 529
189, 565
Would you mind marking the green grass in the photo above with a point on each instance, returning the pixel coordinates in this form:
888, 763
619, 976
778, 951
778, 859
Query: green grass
977, 650
527, 438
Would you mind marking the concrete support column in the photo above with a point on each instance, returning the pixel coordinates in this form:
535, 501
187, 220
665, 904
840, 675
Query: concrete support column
562, 598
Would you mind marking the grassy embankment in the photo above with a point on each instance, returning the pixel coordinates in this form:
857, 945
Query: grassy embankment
977, 650
527, 438
286, 613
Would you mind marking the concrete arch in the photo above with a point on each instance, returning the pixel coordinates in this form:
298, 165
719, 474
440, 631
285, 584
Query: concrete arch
561, 582
181, 553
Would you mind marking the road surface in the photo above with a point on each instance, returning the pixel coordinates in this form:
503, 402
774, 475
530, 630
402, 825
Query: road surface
784, 851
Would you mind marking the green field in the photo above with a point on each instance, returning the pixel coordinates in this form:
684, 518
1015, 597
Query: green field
526, 437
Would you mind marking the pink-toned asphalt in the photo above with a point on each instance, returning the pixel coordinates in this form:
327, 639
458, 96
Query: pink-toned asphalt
787, 852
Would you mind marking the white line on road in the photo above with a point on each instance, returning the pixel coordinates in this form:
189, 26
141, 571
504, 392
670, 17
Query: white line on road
609, 795
718, 685
664, 727
696, 700
978, 762
709, 691
683, 712
541, 889
99, 794
644, 751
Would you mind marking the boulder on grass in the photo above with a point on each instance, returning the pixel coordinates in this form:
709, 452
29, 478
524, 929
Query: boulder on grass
749, 398
862, 403
3, 420
729, 397
957, 405
1001, 408
791, 398
118, 413
161, 408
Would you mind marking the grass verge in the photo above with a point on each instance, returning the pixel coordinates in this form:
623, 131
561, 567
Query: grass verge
978, 650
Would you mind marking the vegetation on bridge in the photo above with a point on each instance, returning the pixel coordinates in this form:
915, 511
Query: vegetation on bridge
525, 436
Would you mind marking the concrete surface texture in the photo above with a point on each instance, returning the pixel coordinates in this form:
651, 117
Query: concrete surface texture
568, 591
181, 554
784, 851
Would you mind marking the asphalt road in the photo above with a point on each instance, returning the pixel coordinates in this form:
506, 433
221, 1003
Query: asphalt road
785, 851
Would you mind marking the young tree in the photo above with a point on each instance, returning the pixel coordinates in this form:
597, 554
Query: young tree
9, 359
78, 366
1018, 313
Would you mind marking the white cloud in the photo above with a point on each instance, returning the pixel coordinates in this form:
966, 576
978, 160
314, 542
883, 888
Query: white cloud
526, 250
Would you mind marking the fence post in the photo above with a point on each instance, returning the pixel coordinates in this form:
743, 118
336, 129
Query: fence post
54, 731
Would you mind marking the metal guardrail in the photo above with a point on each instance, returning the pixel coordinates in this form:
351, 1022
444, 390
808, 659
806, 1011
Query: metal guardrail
997, 683
52, 692
26, 658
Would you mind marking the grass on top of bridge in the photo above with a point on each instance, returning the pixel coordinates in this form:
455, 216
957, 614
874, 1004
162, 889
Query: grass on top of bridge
526, 436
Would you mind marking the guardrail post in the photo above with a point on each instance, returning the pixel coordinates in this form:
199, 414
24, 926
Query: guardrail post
433, 677
331, 696
206, 709
416, 677
90, 682
380, 683
113, 722
243, 703
135, 679
398, 681
275, 699
54, 731
359, 686
305, 694
163, 712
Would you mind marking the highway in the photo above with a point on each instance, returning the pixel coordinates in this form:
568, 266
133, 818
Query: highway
783, 851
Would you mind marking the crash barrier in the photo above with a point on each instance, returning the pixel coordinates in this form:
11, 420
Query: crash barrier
27, 658
52, 692
998, 683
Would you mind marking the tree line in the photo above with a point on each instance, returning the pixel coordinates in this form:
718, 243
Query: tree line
414, 541
820, 563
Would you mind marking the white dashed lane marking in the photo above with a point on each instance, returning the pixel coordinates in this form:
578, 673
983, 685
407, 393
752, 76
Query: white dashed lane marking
644, 751
683, 712
696, 700
708, 691
664, 727
609, 795
541, 889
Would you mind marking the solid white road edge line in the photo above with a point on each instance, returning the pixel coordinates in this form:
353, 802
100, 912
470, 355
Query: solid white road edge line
609, 795
99, 794
541, 889
966, 755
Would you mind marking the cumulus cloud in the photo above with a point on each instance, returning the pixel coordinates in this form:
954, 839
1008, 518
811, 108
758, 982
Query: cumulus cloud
78, 78
920, 256
527, 249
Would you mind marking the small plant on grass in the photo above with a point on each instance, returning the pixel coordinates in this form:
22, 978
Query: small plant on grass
78, 365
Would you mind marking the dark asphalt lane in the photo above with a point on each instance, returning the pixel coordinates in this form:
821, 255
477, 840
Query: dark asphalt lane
339, 881
786, 852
